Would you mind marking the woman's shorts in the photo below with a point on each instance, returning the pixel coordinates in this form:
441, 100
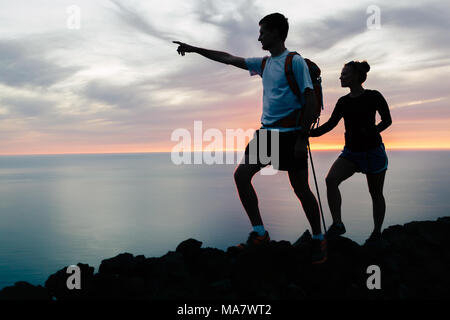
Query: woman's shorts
372, 161
292, 153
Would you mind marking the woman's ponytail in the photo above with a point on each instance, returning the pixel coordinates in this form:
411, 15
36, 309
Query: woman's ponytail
361, 68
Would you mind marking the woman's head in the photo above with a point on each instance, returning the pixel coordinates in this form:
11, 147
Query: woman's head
354, 73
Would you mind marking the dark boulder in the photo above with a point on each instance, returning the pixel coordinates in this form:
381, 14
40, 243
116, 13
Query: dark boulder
413, 260
57, 286
24, 291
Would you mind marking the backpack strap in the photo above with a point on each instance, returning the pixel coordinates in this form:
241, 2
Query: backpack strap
263, 64
289, 71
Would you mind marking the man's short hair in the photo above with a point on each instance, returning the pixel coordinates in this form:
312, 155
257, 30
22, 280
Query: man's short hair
276, 21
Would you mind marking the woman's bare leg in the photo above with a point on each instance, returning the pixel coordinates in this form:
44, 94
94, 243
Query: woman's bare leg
376, 183
341, 170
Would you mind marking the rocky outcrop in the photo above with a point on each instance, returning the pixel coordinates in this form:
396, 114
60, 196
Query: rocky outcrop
413, 259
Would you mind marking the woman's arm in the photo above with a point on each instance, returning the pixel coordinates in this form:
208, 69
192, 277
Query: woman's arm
310, 106
385, 114
330, 124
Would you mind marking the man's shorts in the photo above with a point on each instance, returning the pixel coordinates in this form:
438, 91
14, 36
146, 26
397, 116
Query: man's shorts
292, 150
372, 161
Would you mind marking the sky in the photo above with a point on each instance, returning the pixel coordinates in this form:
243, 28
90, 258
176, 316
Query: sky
109, 80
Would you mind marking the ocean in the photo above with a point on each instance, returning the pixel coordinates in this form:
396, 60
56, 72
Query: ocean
58, 210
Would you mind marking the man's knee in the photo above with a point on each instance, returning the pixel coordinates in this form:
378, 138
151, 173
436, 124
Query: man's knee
301, 189
299, 180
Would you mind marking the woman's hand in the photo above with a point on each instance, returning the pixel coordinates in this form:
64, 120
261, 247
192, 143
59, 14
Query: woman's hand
313, 133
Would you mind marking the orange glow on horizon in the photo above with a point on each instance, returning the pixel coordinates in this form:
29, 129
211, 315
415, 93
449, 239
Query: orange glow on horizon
404, 136
314, 147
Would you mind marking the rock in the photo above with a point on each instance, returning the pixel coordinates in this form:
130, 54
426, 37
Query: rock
123, 264
444, 219
24, 291
189, 247
57, 283
414, 264
304, 238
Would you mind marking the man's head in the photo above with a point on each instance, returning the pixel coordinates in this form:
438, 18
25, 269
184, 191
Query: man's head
273, 30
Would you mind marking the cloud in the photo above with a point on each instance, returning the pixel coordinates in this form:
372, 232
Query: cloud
136, 91
129, 96
137, 21
20, 106
430, 18
22, 64
423, 26
238, 23
422, 112
327, 32
139, 104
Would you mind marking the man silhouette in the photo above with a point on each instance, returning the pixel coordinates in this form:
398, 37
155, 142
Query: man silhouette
280, 107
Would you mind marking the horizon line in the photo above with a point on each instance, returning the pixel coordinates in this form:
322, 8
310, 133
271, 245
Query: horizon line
148, 152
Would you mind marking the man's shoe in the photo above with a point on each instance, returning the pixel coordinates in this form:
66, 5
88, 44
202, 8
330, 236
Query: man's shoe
254, 239
335, 230
319, 251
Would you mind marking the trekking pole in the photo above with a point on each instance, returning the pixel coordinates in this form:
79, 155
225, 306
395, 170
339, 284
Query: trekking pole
317, 187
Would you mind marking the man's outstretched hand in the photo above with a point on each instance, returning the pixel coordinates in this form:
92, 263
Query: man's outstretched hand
183, 47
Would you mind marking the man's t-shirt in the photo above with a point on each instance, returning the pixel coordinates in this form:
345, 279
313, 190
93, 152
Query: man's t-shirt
278, 98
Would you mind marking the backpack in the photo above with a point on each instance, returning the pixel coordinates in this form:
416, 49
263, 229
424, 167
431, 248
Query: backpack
314, 72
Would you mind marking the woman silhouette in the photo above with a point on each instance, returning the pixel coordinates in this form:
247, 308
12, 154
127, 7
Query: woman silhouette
364, 149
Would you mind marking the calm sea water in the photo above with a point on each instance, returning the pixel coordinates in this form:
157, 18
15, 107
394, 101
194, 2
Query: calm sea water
58, 210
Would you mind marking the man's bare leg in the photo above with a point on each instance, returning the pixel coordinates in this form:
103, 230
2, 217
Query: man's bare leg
299, 181
242, 177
